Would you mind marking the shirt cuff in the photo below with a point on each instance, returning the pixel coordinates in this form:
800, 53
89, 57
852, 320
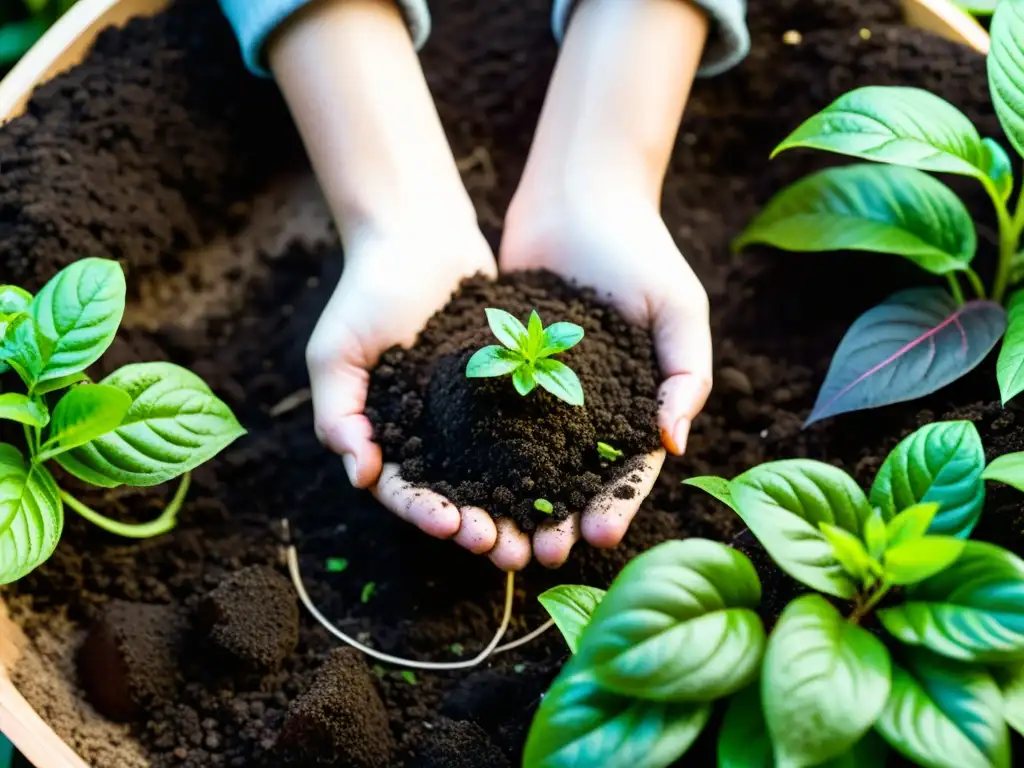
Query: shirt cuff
728, 42
255, 20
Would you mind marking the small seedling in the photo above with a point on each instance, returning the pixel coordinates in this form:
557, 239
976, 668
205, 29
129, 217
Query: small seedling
410, 677
368, 589
379, 671
519, 669
608, 453
526, 355
457, 649
543, 505
336, 564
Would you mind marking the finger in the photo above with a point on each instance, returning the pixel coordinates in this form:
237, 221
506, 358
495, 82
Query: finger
478, 533
512, 549
553, 541
606, 519
431, 512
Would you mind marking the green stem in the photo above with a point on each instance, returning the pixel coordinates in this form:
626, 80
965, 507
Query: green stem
863, 609
163, 524
975, 281
29, 442
1009, 239
955, 289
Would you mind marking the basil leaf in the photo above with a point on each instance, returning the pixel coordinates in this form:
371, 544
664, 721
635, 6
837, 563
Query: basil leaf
1010, 366
714, 486
678, 625
783, 502
914, 343
972, 611
897, 125
911, 524
31, 515
824, 682
83, 414
1011, 682
493, 361
523, 380
175, 423
59, 383
945, 714
579, 724
743, 741
877, 208
1008, 468
915, 561
559, 337
536, 334
875, 535
1006, 70
560, 380
14, 300
23, 409
571, 607
999, 168
507, 329
849, 551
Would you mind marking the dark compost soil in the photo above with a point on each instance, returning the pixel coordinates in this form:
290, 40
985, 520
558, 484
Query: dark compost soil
161, 151
478, 442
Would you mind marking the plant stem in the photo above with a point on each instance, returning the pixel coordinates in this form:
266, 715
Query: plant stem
955, 289
863, 609
1009, 239
163, 524
975, 281
29, 442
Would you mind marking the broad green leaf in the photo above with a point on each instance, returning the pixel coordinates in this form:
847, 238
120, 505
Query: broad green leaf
898, 125
1010, 366
678, 625
849, 551
1006, 70
915, 561
783, 502
31, 515
83, 414
23, 348
61, 383
571, 607
825, 681
942, 463
914, 343
175, 423
493, 361
560, 380
972, 611
536, 334
559, 337
523, 380
14, 300
507, 328
875, 536
579, 724
945, 714
999, 168
15, 406
1008, 468
713, 486
878, 208
911, 524
1011, 682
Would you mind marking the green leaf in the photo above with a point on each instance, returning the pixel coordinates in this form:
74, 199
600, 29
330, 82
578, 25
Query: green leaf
825, 681
875, 536
1011, 682
915, 561
977, 7
560, 380
571, 606
1010, 366
714, 486
523, 380
678, 625
1006, 70
35, 7
64, 381
945, 714
16, 37
743, 741
536, 333
898, 125
942, 463
1008, 468
31, 515
783, 502
83, 414
23, 409
507, 328
972, 611
580, 724
175, 423
493, 361
559, 337
999, 168
877, 208
849, 551
14, 300
911, 524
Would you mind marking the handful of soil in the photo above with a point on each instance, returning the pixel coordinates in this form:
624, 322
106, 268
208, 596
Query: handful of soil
478, 442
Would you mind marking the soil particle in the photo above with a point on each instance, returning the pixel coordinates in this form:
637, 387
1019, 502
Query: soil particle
459, 744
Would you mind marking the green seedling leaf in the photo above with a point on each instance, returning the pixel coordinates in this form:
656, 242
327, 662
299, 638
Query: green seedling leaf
911, 524
368, 589
1010, 366
536, 333
519, 668
571, 607
608, 453
14, 300
23, 409
457, 649
174, 424
942, 463
945, 714
560, 380
915, 561
999, 168
1008, 468
544, 506
1006, 70
493, 361
60, 383
817, 662
559, 337
31, 515
678, 624
83, 414
524, 380
875, 536
897, 125
783, 503
1011, 682
914, 343
972, 611
877, 208
336, 564
507, 329
410, 677
580, 723
850, 552
714, 486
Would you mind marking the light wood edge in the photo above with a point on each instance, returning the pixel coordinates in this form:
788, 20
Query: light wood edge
944, 18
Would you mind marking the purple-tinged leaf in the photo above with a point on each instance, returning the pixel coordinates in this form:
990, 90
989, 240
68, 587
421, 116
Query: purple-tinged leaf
912, 344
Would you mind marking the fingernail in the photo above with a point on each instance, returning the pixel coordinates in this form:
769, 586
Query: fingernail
680, 434
350, 467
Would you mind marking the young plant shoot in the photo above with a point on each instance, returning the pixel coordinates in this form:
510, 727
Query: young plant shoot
941, 681
526, 355
608, 453
544, 506
918, 340
143, 425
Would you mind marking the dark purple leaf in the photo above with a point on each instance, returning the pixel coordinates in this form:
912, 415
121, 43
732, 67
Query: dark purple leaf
912, 344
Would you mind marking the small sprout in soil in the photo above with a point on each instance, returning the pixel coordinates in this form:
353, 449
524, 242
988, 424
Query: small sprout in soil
457, 649
368, 589
379, 671
608, 453
543, 505
519, 668
336, 564
410, 677
526, 355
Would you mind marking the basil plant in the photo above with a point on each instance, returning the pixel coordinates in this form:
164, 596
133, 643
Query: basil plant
143, 425
908, 637
922, 339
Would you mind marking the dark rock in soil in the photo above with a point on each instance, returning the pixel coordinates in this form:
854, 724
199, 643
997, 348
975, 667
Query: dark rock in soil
252, 617
129, 660
479, 442
459, 744
340, 720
